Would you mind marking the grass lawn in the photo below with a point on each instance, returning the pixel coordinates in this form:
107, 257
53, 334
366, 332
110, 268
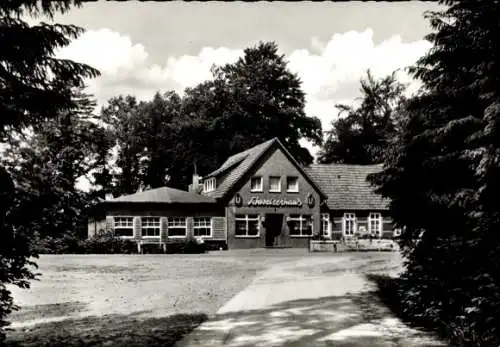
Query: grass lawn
138, 300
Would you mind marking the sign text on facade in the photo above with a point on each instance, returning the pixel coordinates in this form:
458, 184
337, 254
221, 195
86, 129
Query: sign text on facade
274, 202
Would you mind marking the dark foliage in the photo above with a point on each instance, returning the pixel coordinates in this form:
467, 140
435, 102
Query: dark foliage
106, 243
442, 177
34, 87
364, 134
111, 330
248, 102
187, 246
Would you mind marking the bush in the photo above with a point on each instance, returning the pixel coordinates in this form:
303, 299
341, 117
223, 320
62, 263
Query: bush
211, 245
189, 245
108, 243
68, 244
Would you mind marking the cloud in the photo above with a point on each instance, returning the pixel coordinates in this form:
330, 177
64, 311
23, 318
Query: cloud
330, 71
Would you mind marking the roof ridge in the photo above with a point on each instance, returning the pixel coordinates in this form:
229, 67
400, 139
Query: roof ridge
239, 168
228, 164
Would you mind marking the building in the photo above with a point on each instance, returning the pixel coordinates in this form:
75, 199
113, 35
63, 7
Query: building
261, 197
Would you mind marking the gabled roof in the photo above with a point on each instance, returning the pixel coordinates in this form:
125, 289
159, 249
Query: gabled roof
238, 158
165, 195
239, 164
347, 186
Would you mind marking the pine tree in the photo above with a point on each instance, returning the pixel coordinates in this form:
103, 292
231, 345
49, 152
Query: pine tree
442, 177
34, 86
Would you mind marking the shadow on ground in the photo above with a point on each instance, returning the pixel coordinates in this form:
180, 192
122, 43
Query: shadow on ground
387, 292
111, 330
47, 311
351, 320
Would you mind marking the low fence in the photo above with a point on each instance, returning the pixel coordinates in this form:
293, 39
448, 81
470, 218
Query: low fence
354, 245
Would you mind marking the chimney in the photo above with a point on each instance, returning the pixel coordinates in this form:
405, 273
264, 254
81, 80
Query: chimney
195, 184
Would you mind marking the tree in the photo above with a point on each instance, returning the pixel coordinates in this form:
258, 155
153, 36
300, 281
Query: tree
199, 142
364, 134
50, 162
120, 117
157, 130
34, 86
264, 93
442, 177
145, 134
247, 102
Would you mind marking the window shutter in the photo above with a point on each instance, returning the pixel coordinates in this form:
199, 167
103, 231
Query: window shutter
219, 228
163, 229
137, 227
110, 223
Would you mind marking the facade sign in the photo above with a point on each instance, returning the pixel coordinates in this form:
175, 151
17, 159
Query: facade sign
238, 201
254, 201
310, 200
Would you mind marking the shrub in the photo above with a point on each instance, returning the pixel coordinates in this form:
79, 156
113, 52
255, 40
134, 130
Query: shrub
108, 243
189, 245
68, 244
211, 245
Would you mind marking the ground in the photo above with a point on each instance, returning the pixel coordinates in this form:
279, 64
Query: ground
234, 298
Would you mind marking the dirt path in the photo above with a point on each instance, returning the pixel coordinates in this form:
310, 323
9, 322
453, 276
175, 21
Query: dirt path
312, 301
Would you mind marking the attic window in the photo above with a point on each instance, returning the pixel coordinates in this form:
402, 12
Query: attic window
256, 184
209, 185
292, 184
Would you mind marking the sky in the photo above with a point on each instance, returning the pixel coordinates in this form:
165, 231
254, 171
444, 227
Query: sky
144, 47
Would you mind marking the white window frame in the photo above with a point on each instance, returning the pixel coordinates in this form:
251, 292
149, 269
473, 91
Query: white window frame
325, 218
279, 184
303, 220
295, 190
375, 217
150, 226
349, 217
127, 226
246, 218
261, 189
171, 224
198, 226
209, 185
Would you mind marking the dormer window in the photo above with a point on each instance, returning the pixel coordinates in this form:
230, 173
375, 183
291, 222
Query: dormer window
209, 185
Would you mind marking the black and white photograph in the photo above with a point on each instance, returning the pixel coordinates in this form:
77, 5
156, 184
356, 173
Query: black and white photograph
249, 174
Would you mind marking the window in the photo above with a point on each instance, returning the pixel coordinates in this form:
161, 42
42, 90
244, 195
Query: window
325, 224
256, 184
349, 223
300, 225
177, 227
124, 226
292, 184
375, 223
150, 226
247, 225
202, 226
275, 184
209, 185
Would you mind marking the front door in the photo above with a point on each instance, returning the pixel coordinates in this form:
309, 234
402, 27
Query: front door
273, 225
